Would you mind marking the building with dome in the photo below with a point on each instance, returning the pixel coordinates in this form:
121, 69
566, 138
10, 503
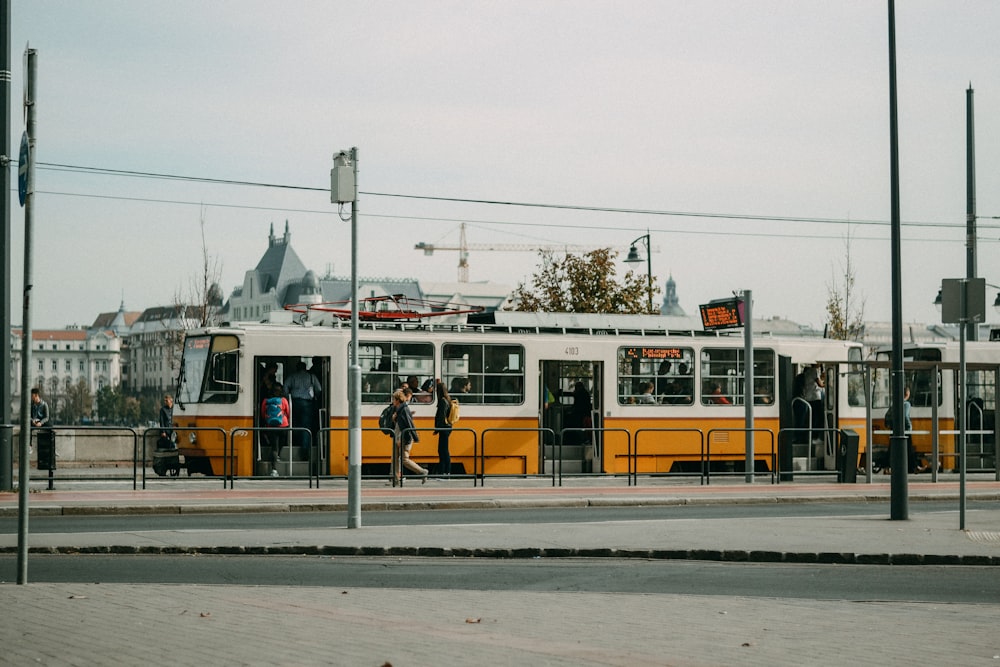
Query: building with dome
671, 304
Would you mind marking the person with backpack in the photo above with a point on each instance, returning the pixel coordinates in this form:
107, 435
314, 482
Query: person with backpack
443, 419
274, 414
404, 438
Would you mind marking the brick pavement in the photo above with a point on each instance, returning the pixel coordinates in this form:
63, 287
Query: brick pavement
94, 624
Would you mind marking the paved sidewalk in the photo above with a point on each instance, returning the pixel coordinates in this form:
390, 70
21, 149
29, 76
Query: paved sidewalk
92, 624
99, 624
924, 538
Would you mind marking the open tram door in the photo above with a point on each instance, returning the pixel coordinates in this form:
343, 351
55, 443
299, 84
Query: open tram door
288, 452
570, 404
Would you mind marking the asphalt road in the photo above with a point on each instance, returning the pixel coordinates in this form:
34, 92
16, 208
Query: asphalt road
940, 584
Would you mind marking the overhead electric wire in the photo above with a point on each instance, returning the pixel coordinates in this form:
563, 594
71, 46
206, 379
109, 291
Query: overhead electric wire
490, 202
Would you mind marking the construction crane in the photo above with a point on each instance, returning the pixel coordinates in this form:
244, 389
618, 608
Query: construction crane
464, 247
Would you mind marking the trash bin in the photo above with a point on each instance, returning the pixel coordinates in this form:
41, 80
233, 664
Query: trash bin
847, 457
45, 439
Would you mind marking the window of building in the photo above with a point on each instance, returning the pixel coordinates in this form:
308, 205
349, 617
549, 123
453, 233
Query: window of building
655, 375
82, 366
722, 376
385, 366
68, 365
41, 365
495, 372
55, 366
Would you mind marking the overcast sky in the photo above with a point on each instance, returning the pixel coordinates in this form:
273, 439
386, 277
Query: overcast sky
712, 115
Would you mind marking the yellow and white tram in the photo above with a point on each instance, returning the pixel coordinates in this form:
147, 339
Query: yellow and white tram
581, 391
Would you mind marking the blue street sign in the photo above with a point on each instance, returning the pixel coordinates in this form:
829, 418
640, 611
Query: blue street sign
22, 170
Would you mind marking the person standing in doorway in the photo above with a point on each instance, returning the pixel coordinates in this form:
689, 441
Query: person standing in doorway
303, 387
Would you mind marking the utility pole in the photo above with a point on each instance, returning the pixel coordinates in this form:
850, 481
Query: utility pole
898, 490
343, 189
26, 188
970, 200
6, 433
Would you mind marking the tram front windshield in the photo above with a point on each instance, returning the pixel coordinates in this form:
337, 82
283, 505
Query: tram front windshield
196, 350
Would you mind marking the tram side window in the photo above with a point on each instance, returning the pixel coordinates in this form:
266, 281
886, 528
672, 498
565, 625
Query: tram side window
385, 365
655, 375
919, 380
981, 390
855, 379
496, 372
722, 376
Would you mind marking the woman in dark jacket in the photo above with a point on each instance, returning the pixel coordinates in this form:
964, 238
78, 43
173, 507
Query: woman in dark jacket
406, 435
442, 428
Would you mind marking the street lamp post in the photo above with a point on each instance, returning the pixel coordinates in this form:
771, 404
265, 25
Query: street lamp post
633, 258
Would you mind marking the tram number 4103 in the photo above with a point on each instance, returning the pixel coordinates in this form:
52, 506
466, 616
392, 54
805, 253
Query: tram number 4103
572, 351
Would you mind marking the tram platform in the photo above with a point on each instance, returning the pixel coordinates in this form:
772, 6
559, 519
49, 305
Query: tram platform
181, 624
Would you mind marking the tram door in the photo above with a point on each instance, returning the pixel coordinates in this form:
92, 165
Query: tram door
276, 371
571, 399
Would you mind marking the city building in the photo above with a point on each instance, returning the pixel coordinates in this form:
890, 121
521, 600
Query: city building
280, 279
61, 359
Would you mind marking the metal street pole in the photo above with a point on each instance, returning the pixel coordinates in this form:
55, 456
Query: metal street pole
970, 199
898, 504
748, 381
354, 374
633, 257
23, 468
343, 189
6, 434
963, 403
649, 274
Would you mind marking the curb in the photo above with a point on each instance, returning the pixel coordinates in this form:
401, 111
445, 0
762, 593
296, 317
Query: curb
285, 505
715, 555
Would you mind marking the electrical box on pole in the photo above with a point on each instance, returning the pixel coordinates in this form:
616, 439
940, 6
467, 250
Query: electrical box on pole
341, 179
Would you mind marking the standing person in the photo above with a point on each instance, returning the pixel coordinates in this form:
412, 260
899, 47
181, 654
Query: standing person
911, 452
579, 414
303, 387
442, 427
885, 460
274, 413
39, 410
166, 440
405, 436
813, 392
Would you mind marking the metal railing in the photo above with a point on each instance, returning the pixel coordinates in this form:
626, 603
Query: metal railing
773, 452
482, 452
633, 467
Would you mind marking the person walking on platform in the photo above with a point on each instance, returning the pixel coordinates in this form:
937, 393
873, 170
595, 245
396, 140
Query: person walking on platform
404, 437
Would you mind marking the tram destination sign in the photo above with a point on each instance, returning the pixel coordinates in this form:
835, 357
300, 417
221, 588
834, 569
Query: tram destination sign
654, 353
722, 314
